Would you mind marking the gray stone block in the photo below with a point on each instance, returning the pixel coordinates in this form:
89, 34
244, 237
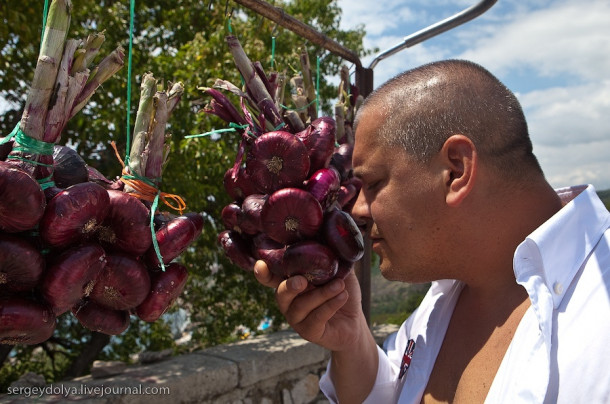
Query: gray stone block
268, 356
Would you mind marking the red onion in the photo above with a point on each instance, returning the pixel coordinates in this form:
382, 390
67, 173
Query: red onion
69, 168
23, 321
127, 225
21, 264
342, 160
72, 276
238, 186
291, 214
346, 193
352, 183
123, 283
271, 252
101, 319
342, 234
98, 178
174, 238
5, 149
345, 267
314, 261
22, 201
319, 139
74, 214
166, 286
252, 207
277, 160
237, 249
231, 216
324, 184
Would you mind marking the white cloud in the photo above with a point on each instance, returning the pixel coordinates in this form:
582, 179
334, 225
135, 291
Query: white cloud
569, 115
566, 38
556, 53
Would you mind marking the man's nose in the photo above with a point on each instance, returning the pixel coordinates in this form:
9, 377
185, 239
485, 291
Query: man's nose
361, 212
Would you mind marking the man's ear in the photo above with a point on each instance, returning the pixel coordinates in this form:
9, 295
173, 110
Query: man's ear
459, 155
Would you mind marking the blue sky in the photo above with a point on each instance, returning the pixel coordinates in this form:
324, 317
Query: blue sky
554, 54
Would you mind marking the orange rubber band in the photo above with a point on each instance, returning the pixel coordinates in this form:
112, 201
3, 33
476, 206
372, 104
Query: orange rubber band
147, 192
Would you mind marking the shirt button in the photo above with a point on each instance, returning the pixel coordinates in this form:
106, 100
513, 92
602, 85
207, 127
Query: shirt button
558, 288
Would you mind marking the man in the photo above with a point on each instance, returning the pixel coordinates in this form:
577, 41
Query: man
519, 307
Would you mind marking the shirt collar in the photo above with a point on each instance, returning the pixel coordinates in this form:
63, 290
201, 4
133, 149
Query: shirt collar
557, 249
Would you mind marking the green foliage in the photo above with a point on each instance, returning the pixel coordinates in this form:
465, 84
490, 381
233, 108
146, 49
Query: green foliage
176, 40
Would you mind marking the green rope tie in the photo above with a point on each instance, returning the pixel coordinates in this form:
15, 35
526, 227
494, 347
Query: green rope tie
272, 51
233, 127
153, 208
45, 11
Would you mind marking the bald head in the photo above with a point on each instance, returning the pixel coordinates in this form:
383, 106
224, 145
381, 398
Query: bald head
423, 107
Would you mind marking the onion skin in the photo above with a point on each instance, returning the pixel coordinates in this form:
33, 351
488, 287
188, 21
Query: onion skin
270, 251
22, 201
166, 286
290, 215
319, 139
345, 267
238, 186
123, 283
342, 234
237, 249
21, 264
101, 319
252, 208
277, 160
324, 184
98, 178
342, 160
24, 322
231, 216
69, 168
127, 225
5, 149
71, 276
174, 238
313, 260
74, 214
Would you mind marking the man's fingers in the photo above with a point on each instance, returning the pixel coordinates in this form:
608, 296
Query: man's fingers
264, 276
297, 306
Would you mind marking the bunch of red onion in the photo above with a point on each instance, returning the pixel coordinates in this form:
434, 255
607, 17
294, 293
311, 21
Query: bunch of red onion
95, 251
291, 202
91, 254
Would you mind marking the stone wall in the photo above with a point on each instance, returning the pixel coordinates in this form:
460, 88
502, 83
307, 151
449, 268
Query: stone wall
275, 368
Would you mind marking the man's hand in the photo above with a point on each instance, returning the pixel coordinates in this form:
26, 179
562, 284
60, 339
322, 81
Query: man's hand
328, 315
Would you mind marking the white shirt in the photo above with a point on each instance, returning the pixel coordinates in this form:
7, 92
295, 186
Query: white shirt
560, 352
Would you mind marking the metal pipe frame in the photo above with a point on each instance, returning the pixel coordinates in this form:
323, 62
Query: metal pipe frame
278, 15
435, 29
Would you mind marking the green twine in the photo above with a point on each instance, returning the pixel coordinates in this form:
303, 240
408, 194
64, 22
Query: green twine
232, 128
272, 51
317, 84
229, 28
45, 11
27, 144
212, 132
132, 7
153, 208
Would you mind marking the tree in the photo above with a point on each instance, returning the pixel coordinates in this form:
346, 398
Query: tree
177, 40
